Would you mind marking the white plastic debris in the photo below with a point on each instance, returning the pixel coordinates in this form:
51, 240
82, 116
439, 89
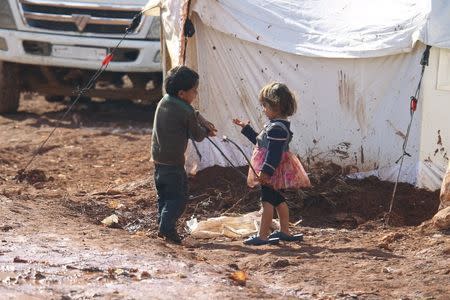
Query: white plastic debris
232, 227
112, 219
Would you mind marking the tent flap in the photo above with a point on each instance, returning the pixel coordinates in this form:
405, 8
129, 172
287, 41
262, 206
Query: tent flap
350, 28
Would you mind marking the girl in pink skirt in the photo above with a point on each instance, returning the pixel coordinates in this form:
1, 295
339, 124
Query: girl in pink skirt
276, 167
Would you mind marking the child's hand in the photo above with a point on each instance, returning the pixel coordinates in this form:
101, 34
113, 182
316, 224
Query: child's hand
264, 178
240, 123
208, 125
211, 129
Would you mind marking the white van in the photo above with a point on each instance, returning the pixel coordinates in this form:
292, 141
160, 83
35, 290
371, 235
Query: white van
54, 46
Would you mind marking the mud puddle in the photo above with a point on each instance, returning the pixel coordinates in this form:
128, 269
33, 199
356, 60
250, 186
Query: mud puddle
66, 259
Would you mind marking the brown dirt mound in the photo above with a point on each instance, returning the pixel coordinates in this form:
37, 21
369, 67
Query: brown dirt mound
217, 190
334, 200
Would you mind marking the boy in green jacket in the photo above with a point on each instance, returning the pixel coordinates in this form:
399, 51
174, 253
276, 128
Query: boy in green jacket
175, 122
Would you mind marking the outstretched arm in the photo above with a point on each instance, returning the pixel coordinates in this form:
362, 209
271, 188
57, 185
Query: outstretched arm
247, 130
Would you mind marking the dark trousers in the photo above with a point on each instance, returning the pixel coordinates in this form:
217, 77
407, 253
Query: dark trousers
271, 196
172, 188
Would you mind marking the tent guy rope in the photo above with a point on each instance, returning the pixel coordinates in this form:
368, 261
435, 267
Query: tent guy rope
108, 58
412, 109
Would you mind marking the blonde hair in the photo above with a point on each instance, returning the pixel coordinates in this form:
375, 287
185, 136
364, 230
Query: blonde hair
278, 97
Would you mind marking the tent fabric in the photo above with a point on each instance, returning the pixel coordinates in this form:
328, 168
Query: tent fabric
342, 29
445, 189
437, 32
350, 28
173, 15
353, 65
368, 98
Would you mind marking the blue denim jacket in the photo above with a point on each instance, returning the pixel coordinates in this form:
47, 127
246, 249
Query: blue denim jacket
275, 137
263, 138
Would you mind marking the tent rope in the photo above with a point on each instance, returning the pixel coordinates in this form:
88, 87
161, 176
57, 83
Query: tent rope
226, 158
412, 110
80, 92
188, 31
227, 139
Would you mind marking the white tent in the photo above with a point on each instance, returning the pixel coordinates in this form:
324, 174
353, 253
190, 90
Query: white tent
353, 65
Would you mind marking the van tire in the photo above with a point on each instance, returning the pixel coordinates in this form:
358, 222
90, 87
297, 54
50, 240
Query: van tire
9, 88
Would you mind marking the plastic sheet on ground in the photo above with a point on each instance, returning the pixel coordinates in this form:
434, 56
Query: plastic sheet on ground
227, 226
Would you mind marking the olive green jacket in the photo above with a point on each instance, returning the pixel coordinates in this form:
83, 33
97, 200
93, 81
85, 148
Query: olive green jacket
175, 122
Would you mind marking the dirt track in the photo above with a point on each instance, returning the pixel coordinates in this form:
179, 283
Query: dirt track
52, 244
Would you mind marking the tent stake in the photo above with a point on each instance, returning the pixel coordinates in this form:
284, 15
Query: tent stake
412, 110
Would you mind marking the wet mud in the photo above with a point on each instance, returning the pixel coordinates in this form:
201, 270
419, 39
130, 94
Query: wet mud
53, 244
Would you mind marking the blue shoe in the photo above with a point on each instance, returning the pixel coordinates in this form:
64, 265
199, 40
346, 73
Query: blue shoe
286, 237
257, 241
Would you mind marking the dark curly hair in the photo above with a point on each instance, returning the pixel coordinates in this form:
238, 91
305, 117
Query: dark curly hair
180, 78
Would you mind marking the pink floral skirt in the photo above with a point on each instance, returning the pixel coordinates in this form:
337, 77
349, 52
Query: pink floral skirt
289, 174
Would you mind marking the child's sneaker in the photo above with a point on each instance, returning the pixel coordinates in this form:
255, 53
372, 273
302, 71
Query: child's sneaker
286, 237
172, 237
257, 241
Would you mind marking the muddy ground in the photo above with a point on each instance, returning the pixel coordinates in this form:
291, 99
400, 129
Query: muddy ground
53, 246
